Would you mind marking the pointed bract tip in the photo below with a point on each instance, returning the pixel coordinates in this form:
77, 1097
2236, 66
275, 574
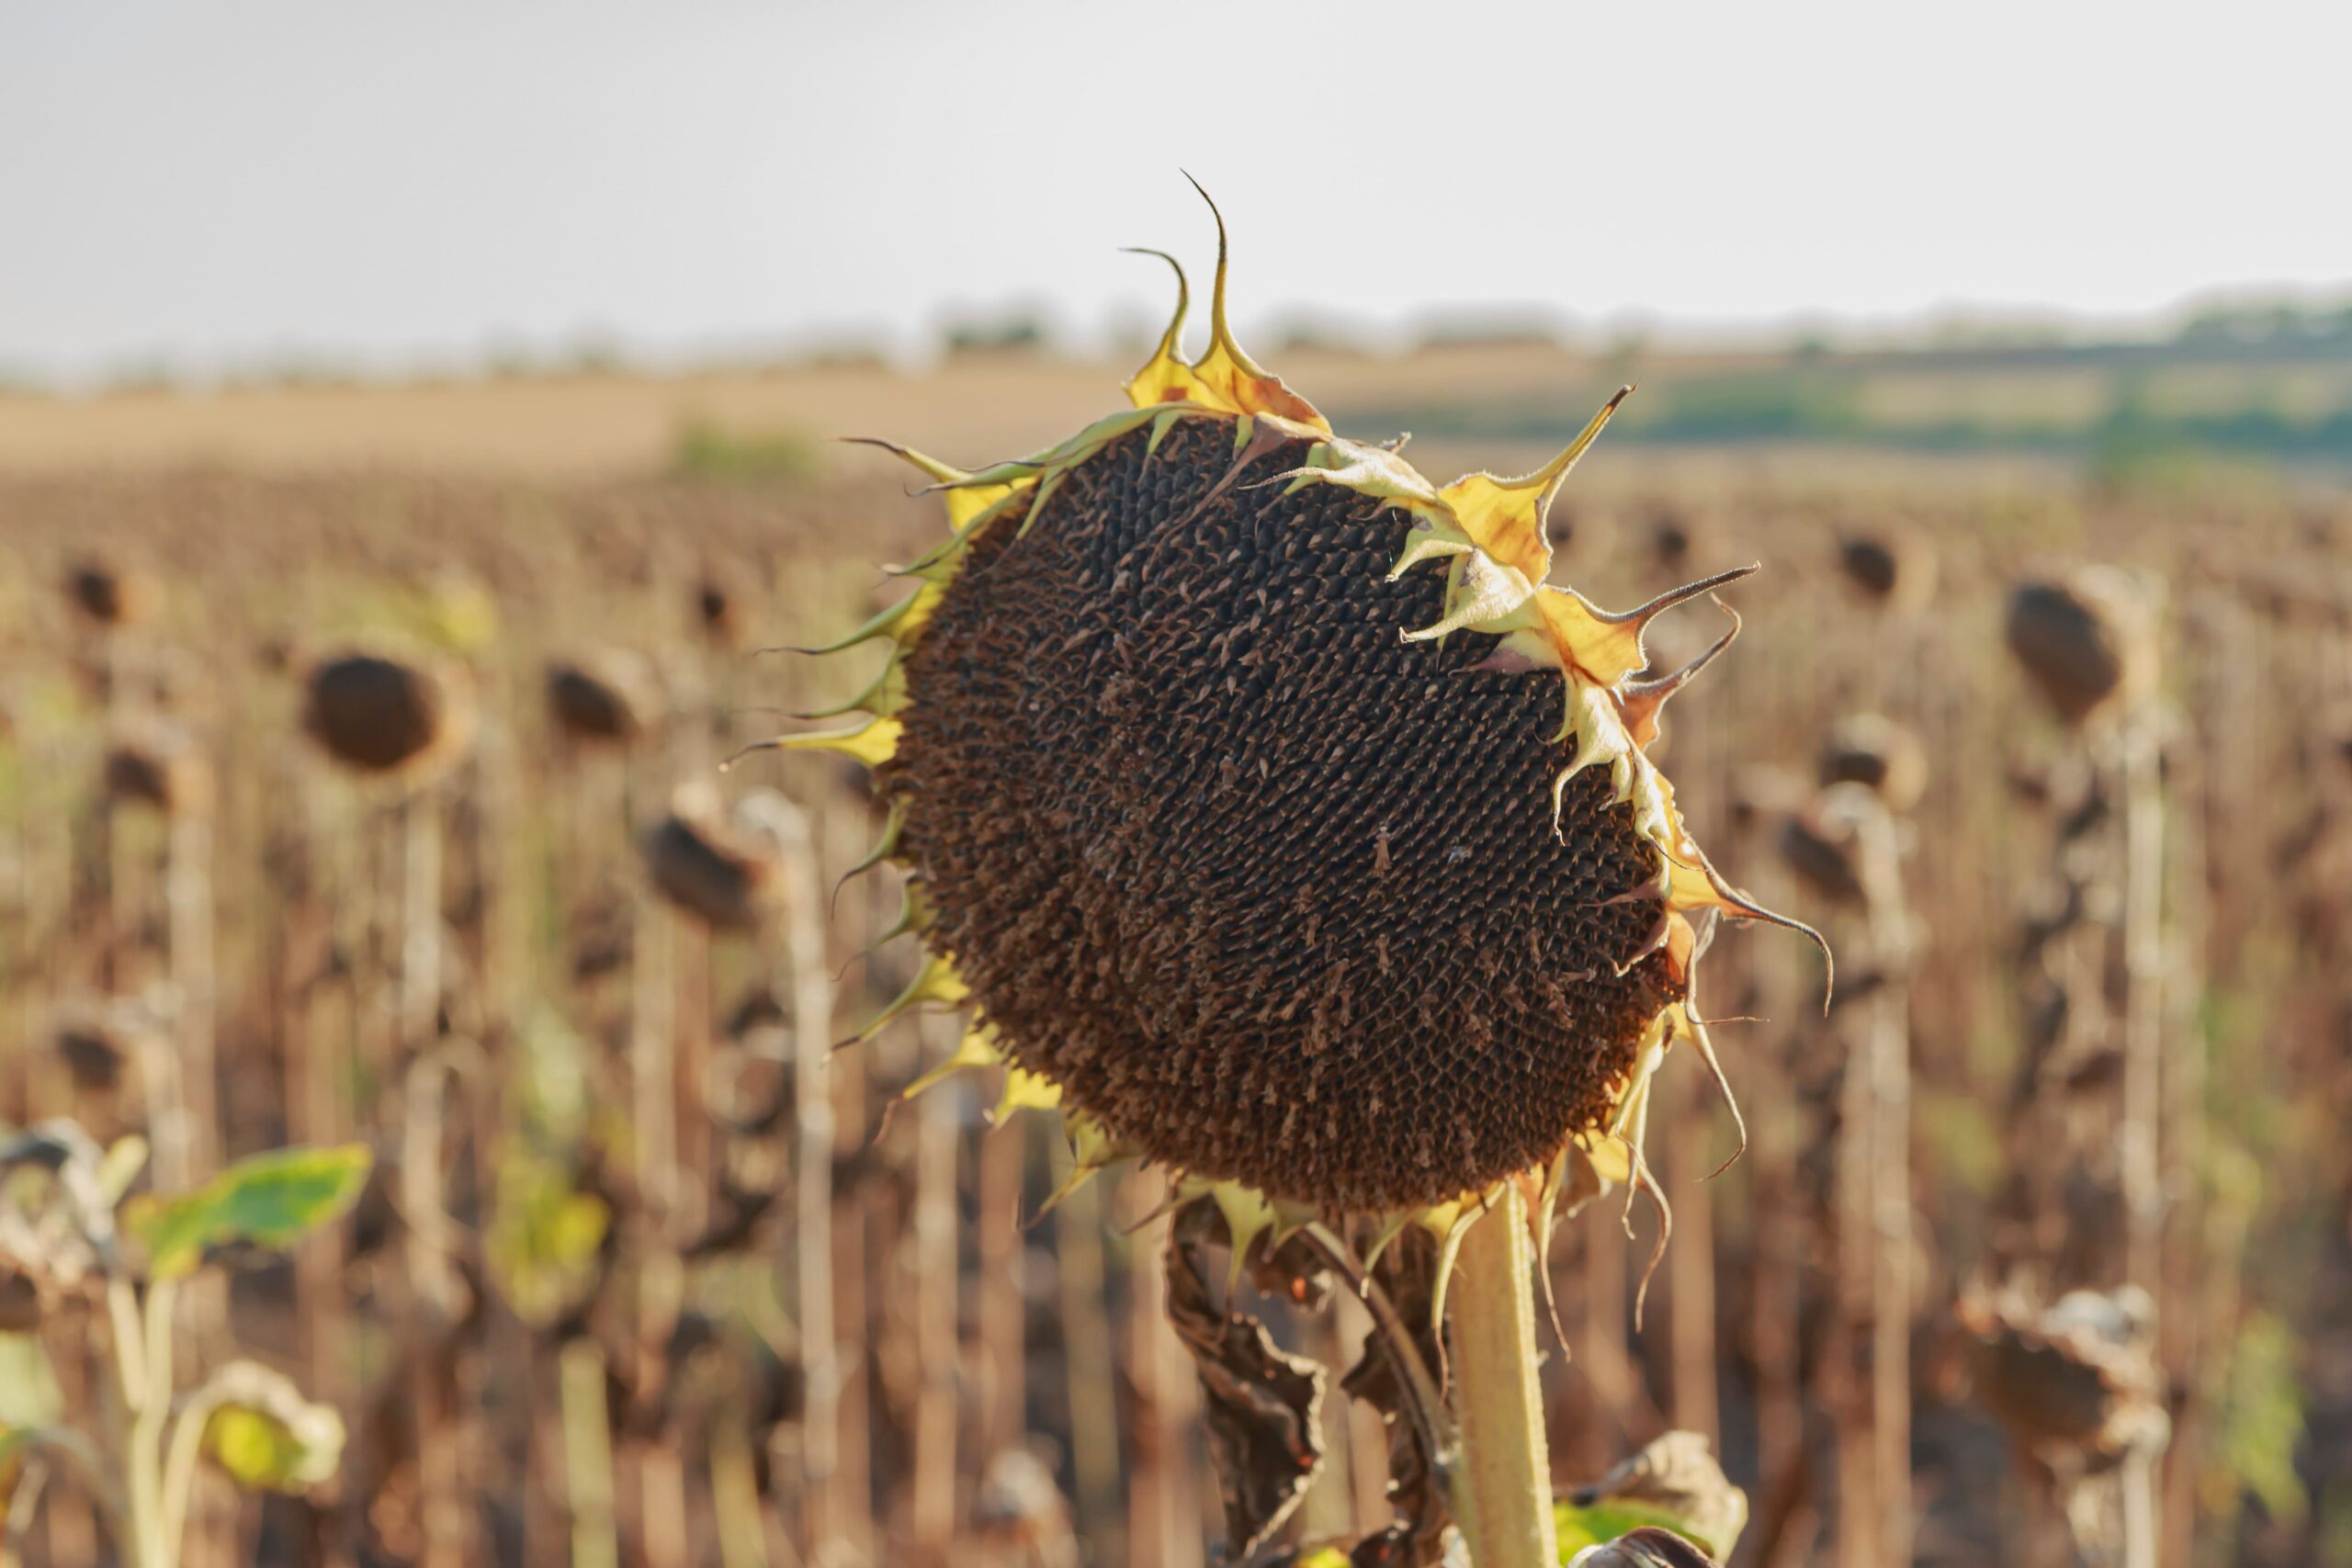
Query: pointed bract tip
941, 473
1689, 591
1168, 345
1644, 701
1220, 326
1706, 1049
1740, 907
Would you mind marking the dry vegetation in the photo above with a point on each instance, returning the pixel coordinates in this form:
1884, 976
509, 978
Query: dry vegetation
382, 807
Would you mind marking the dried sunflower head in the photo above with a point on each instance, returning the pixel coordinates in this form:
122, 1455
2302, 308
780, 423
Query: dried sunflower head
1275, 816
380, 715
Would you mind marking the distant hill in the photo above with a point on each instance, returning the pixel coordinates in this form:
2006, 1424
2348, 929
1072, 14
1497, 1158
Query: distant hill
2264, 383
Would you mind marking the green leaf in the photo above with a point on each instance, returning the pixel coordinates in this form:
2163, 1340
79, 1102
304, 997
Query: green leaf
1651, 1546
1673, 1484
1604, 1522
265, 1434
271, 1200
2259, 1423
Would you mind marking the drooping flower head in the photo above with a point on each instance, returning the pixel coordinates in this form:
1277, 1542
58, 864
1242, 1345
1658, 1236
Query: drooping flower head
1275, 815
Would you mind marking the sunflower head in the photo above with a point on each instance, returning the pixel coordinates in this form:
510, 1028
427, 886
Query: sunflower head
1893, 571
108, 593
2085, 639
156, 764
602, 698
377, 713
1276, 816
1875, 751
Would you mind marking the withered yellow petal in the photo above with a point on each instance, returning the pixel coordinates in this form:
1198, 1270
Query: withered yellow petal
873, 743
1486, 595
936, 981
1165, 378
976, 1049
1026, 1090
1505, 516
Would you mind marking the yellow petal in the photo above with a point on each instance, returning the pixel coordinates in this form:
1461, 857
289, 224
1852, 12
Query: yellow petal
1461, 1217
1644, 701
873, 743
1608, 1156
1165, 378
1372, 471
1505, 516
1233, 380
1248, 1216
936, 981
1091, 1149
1608, 647
976, 1049
1026, 1090
1487, 596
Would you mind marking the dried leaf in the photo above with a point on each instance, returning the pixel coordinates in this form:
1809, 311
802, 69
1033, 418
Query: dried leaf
1263, 1405
57, 1223
1294, 1272
2074, 1382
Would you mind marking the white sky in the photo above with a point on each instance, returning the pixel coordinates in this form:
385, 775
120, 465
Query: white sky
233, 180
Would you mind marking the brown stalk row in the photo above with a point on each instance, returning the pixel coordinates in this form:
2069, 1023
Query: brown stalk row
649, 1274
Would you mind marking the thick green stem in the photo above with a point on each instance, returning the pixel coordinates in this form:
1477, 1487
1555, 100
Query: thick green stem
1501, 1487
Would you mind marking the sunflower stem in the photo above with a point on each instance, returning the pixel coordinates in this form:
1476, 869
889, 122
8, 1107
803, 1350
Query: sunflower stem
1501, 1487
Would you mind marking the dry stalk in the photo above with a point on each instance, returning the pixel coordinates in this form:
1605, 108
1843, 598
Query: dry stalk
803, 934
937, 1143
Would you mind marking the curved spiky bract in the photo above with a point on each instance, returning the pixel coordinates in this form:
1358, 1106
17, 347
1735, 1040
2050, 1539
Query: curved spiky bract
1224, 379
1082, 727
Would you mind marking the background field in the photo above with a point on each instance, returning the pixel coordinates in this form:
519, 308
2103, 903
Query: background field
611, 1350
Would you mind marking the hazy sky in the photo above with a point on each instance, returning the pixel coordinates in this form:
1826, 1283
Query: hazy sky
203, 181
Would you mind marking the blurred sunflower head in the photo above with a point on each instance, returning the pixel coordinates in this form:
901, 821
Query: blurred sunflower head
1276, 817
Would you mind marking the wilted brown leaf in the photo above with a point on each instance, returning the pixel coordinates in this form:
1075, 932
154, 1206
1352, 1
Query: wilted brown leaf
2072, 1383
1407, 1273
1263, 1405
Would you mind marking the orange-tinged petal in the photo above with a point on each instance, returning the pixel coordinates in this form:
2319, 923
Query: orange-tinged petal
1505, 517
